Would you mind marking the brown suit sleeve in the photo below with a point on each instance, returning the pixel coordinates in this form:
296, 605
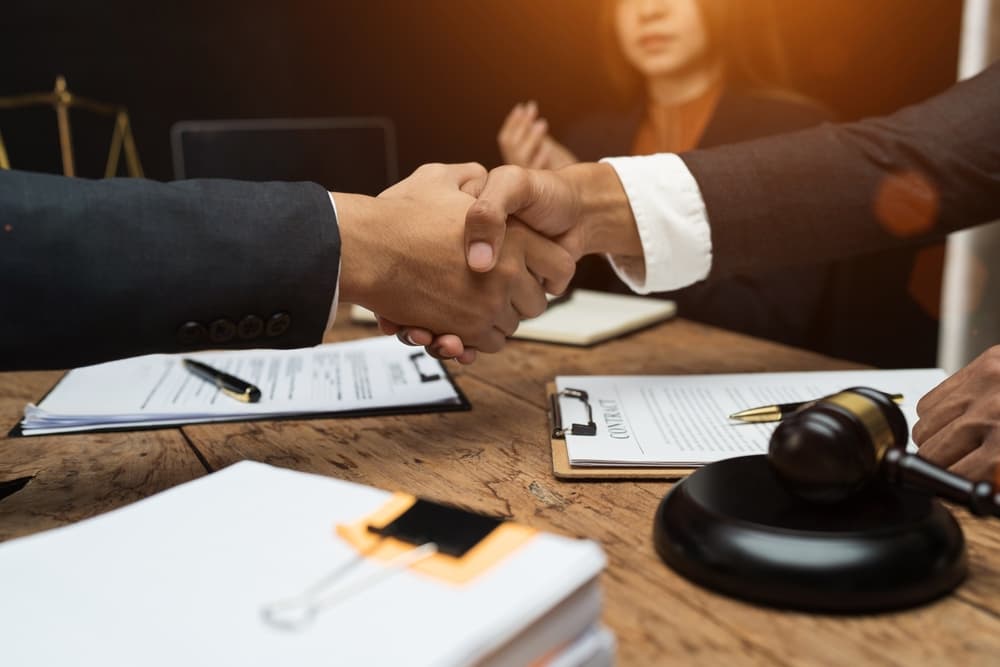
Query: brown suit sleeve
841, 190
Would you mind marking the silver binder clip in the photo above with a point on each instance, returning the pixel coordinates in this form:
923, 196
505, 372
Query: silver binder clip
297, 612
558, 431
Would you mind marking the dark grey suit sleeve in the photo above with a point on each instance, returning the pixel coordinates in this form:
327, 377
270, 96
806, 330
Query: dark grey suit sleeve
97, 270
828, 193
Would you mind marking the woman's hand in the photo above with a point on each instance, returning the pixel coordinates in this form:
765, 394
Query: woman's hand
524, 140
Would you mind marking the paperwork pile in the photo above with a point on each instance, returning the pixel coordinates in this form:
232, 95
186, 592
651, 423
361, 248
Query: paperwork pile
184, 577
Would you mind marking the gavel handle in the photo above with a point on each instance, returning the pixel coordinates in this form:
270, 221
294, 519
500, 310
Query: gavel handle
910, 470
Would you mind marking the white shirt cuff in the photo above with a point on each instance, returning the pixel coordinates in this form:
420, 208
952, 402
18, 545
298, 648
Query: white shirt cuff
673, 225
336, 292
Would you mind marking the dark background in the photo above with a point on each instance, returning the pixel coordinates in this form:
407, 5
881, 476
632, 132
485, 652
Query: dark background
446, 72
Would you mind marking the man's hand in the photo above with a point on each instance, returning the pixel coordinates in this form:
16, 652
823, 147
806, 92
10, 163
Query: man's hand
402, 257
959, 425
524, 141
582, 207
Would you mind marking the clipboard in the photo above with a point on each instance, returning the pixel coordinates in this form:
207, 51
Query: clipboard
562, 469
437, 371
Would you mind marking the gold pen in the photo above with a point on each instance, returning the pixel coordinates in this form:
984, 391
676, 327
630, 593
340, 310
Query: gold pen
775, 413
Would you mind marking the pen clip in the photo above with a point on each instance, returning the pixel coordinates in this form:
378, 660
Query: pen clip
245, 396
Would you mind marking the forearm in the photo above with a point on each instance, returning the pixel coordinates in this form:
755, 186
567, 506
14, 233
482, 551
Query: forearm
603, 211
357, 216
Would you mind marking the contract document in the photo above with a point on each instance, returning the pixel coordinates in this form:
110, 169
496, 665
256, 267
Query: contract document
376, 374
683, 420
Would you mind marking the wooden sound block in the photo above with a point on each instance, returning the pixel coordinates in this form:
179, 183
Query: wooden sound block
732, 527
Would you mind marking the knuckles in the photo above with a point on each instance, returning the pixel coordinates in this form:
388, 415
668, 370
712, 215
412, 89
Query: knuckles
990, 363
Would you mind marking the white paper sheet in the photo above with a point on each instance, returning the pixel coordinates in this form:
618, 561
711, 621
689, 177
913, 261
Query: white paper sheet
181, 578
683, 420
157, 389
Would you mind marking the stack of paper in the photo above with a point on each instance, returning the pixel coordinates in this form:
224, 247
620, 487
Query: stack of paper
156, 390
183, 577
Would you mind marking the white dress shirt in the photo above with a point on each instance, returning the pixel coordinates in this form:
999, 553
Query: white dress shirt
336, 292
672, 222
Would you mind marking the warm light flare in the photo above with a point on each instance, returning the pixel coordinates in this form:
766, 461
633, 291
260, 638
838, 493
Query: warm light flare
907, 204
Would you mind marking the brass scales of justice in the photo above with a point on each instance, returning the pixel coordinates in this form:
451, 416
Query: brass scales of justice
60, 99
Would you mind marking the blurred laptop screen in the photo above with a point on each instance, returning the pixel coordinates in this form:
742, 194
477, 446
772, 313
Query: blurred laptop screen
341, 154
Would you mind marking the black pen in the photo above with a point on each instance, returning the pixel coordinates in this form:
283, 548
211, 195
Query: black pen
775, 413
230, 385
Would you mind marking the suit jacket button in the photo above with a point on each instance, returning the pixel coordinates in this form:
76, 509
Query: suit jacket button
191, 333
278, 324
221, 331
250, 326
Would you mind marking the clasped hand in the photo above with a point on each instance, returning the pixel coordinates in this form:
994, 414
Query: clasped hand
498, 247
411, 267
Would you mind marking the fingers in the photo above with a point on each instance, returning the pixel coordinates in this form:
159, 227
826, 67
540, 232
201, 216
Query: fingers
387, 327
507, 190
474, 187
494, 340
516, 129
952, 443
935, 396
506, 322
933, 420
467, 357
435, 175
468, 174
533, 143
979, 465
549, 261
527, 296
447, 351
415, 337
444, 347
457, 174
543, 155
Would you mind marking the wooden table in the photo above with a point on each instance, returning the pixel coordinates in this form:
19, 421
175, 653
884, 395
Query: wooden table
495, 458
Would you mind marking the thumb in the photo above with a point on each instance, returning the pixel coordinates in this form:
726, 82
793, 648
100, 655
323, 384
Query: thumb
507, 190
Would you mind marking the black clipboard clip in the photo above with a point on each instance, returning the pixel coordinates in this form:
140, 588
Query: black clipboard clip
424, 377
558, 431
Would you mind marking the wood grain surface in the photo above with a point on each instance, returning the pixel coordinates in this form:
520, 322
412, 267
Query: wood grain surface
68, 478
495, 458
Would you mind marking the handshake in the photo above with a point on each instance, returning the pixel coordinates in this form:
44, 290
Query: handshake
454, 257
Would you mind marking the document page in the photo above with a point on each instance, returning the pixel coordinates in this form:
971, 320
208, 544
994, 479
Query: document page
158, 389
683, 420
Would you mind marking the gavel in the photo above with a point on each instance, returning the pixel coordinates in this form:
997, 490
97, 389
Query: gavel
834, 448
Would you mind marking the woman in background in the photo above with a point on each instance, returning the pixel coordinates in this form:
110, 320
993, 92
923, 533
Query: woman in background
697, 73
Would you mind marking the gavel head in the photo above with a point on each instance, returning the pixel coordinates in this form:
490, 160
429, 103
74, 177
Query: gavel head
829, 450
